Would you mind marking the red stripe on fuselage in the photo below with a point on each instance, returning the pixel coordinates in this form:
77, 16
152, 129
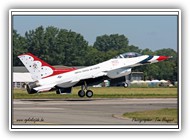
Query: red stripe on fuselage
162, 58
60, 71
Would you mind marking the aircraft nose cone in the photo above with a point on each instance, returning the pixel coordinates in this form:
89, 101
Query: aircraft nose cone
161, 58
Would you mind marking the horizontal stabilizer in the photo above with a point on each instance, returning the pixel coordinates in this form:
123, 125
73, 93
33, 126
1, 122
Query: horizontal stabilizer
44, 88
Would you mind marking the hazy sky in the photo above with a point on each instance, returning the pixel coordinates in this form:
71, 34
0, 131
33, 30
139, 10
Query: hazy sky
153, 32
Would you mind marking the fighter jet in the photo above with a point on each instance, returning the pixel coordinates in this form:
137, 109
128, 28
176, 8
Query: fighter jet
48, 78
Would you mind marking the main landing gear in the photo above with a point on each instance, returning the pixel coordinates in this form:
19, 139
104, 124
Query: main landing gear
82, 92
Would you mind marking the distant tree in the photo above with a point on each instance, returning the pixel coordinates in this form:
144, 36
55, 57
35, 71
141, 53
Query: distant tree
63, 47
35, 41
168, 69
93, 56
163, 70
111, 42
147, 52
166, 52
18, 47
75, 49
50, 50
57, 46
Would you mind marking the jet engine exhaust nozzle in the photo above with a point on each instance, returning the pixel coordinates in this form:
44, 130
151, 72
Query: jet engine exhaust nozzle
30, 86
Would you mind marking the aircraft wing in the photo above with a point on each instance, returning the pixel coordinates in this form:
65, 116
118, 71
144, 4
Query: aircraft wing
95, 75
70, 83
87, 77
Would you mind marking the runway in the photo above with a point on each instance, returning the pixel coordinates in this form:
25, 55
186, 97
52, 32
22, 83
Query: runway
83, 111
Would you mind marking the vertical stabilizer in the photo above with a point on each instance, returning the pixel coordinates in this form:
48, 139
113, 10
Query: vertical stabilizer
37, 67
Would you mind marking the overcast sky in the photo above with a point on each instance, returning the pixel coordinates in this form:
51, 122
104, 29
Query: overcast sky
153, 32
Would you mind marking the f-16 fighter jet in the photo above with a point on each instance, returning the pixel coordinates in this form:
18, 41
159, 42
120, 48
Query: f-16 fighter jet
47, 78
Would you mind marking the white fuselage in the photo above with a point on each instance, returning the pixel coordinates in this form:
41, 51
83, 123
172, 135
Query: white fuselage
112, 68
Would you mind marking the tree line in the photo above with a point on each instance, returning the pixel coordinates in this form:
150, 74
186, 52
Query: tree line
66, 47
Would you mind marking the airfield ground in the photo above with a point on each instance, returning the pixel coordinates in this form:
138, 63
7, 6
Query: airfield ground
106, 107
104, 92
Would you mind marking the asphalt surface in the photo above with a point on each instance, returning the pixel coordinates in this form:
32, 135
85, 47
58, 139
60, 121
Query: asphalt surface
84, 111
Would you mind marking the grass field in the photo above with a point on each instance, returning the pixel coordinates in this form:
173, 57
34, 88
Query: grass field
103, 92
162, 115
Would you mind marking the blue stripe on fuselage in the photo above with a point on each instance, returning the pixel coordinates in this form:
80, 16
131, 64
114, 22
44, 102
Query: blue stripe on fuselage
146, 60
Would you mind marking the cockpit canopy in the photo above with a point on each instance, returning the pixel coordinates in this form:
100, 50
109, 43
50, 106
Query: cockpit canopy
128, 55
